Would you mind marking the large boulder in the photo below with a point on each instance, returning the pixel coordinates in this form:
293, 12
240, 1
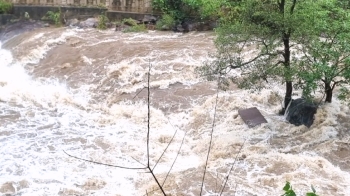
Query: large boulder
301, 112
121, 27
89, 23
188, 25
147, 19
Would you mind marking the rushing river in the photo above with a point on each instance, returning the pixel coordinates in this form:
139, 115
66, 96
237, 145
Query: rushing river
82, 91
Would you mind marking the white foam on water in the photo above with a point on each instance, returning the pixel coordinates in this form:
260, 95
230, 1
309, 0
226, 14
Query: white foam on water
34, 55
5, 56
42, 117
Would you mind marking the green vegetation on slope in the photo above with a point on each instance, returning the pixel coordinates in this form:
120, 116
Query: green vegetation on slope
5, 7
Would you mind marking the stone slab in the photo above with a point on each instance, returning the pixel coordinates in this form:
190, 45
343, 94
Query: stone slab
252, 116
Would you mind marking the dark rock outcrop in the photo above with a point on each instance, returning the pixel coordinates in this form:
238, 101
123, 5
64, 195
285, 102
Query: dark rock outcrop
149, 19
188, 25
121, 27
301, 112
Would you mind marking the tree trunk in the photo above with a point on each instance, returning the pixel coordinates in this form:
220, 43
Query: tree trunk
329, 92
288, 95
286, 55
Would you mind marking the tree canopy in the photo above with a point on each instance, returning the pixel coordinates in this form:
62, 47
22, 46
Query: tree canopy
302, 42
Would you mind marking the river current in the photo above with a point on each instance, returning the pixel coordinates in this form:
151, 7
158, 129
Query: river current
83, 92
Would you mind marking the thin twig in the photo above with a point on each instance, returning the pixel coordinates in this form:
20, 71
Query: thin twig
148, 133
105, 164
165, 148
138, 92
138, 161
172, 165
148, 129
155, 178
148, 113
229, 172
216, 181
321, 99
211, 135
154, 190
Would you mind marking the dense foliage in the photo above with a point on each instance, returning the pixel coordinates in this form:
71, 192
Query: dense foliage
55, 17
166, 22
102, 21
300, 42
133, 26
180, 9
5, 7
325, 61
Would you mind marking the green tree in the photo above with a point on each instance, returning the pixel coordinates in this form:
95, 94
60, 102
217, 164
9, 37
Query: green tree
180, 9
258, 37
326, 55
264, 25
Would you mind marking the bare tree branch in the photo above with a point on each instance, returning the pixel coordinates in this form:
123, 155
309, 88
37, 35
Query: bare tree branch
229, 172
148, 129
178, 152
138, 92
148, 112
211, 135
105, 164
293, 6
164, 150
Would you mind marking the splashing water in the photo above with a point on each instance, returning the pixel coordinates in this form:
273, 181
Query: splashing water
81, 91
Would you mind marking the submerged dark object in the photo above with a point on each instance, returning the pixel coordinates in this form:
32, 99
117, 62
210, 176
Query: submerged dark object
252, 117
301, 112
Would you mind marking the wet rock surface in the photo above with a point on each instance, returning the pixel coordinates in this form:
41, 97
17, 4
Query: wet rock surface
88, 23
301, 112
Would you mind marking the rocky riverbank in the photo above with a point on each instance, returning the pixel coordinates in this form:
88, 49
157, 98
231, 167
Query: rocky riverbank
17, 26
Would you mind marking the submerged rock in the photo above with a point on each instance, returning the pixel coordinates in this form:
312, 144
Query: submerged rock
89, 23
301, 112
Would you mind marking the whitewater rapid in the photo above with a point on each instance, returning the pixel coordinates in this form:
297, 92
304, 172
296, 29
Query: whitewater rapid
80, 91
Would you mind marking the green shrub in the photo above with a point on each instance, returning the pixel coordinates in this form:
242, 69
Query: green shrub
288, 191
102, 20
5, 7
54, 16
129, 21
137, 28
133, 26
166, 22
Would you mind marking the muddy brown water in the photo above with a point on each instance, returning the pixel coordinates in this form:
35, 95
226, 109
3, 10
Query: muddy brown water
84, 92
